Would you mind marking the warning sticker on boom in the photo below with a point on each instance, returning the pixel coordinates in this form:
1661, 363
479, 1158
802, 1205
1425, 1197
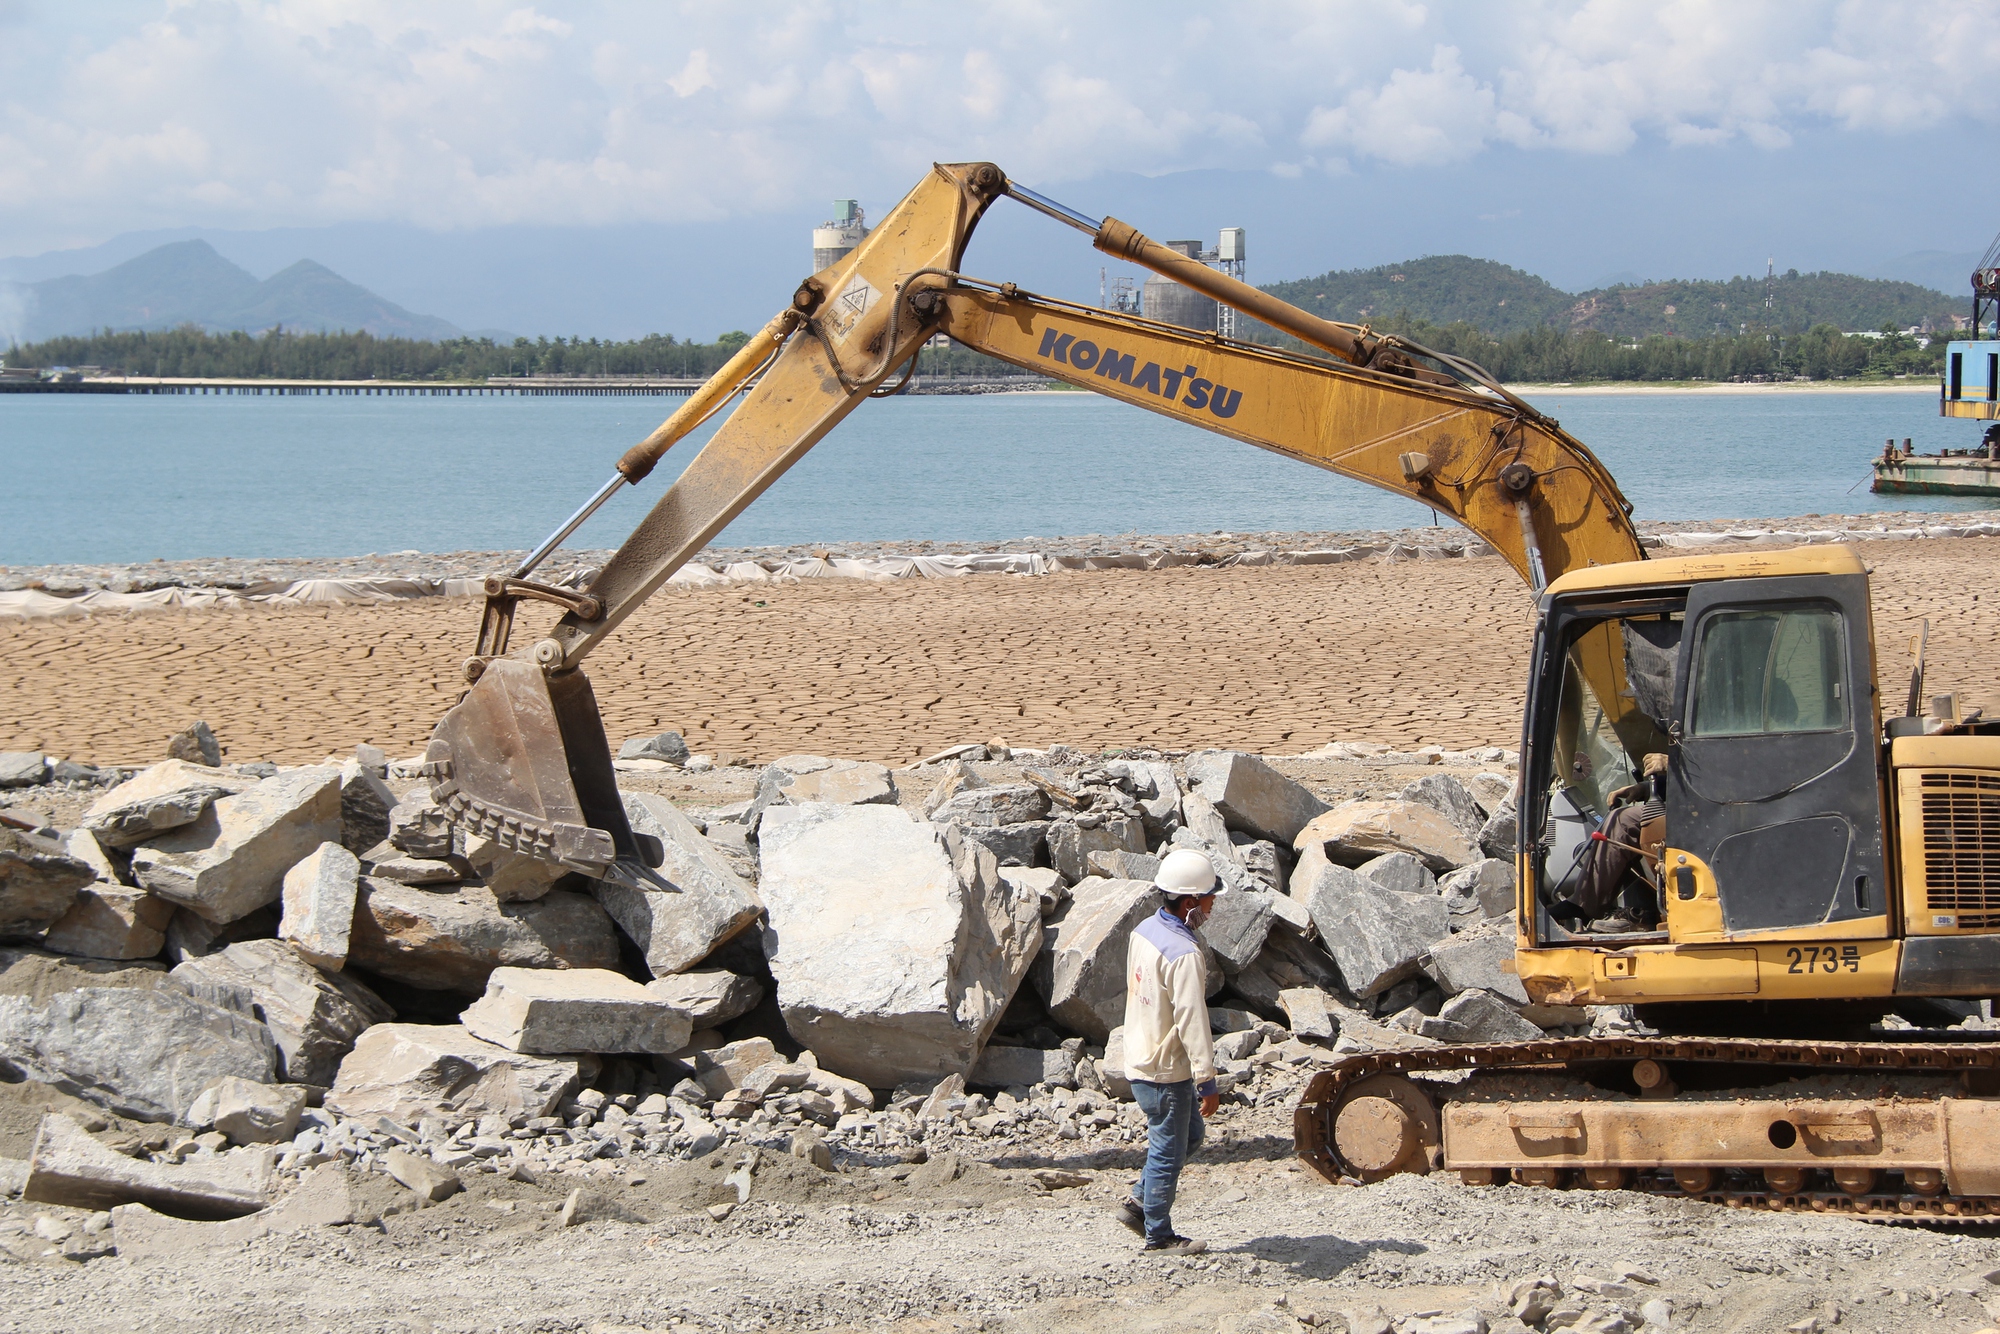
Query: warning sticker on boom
845, 311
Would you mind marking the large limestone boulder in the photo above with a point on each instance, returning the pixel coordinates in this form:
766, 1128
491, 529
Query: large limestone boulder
512, 876
1401, 871
38, 883
957, 776
1201, 821
23, 768
794, 780
1490, 790
1081, 975
318, 897
1021, 845
410, 1071
365, 803
190, 937
1478, 1016
1236, 929
111, 922
1481, 959
1071, 841
1251, 795
711, 996
1449, 798
69, 1167
144, 1053
666, 747
1481, 890
232, 860
711, 903
314, 1017
1289, 961
1359, 831
155, 800
452, 939
1013, 1067
37, 975
108, 867
195, 744
1376, 935
420, 827
1497, 835
550, 1011
895, 945
991, 807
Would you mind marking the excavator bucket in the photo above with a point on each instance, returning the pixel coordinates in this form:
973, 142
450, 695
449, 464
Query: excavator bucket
523, 760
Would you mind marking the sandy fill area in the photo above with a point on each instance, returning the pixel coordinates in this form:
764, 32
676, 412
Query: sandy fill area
1278, 660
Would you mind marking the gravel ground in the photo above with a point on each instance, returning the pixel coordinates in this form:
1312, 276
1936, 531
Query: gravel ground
991, 1251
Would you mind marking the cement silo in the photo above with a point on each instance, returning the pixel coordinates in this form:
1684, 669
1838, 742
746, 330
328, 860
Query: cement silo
835, 239
1165, 300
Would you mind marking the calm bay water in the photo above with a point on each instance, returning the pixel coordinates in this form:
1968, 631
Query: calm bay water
88, 478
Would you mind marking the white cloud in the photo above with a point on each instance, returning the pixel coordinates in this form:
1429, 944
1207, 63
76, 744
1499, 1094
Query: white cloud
694, 76
254, 113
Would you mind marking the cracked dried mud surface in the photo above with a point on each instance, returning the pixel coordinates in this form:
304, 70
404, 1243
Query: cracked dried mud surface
1276, 659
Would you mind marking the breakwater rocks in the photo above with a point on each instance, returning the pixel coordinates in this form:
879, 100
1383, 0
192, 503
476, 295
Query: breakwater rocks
236, 974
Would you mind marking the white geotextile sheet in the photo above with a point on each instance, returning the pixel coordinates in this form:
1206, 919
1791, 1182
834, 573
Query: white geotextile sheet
1786, 537
35, 604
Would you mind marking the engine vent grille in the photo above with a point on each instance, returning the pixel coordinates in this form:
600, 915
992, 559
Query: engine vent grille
1961, 813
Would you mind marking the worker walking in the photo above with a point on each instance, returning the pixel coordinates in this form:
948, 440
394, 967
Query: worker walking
1169, 1056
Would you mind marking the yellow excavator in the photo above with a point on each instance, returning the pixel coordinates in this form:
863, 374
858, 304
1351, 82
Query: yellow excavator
1803, 873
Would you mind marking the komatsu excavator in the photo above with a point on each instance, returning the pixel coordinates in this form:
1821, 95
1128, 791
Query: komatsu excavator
1803, 869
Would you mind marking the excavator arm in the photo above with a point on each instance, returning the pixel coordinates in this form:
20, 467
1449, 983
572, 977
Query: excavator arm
523, 758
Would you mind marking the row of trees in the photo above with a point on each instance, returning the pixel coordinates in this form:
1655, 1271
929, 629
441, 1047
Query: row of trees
1542, 356
281, 354
1537, 355
278, 354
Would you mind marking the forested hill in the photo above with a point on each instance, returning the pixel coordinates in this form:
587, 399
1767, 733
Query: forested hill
1438, 289
1451, 289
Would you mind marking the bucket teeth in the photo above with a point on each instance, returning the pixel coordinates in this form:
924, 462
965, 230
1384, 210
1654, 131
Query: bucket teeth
500, 765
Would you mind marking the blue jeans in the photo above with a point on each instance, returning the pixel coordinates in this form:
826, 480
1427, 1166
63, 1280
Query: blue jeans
1174, 1130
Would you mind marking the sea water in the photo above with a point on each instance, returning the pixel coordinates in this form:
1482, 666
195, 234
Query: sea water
115, 478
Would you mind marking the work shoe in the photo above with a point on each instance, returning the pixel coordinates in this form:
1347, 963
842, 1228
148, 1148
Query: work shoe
1178, 1246
1132, 1214
1617, 924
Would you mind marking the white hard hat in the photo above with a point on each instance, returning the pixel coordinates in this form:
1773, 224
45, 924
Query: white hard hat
1185, 871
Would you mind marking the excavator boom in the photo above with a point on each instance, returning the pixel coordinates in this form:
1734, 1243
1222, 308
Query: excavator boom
523, 760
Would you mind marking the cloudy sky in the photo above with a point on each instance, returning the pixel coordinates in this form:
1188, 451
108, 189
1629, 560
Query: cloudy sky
421, 147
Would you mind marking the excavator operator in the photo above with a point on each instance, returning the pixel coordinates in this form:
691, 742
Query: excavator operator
1613, 852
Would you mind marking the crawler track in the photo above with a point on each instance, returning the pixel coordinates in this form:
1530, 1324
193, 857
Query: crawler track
1313, 1119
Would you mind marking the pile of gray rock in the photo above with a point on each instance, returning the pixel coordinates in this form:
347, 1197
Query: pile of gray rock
312, 966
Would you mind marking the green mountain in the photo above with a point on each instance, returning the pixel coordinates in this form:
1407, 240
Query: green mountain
1442, 289
1795, 301
1449, 289
187, 282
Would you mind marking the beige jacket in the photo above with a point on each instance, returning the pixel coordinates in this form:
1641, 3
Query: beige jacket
1166, 1011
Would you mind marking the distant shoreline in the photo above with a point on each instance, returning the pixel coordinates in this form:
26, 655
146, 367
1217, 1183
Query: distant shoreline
1909, 386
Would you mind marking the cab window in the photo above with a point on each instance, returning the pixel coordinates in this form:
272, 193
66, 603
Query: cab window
1769, 669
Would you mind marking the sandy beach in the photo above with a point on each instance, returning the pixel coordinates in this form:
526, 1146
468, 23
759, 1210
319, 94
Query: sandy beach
1276, 659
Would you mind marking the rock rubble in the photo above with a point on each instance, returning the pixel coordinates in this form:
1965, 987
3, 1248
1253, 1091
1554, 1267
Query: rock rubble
837, 968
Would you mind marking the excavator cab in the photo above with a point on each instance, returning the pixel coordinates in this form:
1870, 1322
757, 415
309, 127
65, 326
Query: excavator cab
1754, 677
